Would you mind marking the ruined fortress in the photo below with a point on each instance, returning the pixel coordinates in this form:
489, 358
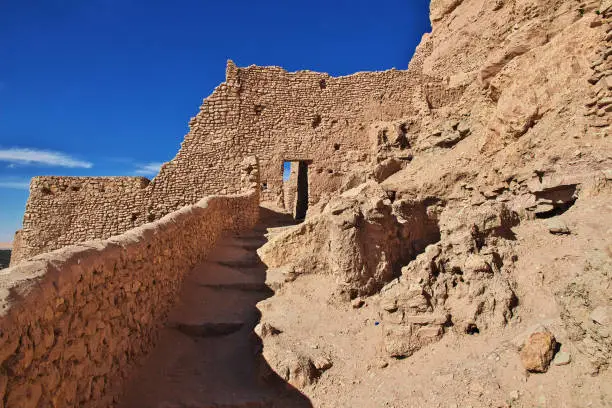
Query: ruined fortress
462, 204
323, 122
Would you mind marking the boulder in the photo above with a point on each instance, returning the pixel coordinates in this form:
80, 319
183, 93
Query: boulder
557, 227
538, 351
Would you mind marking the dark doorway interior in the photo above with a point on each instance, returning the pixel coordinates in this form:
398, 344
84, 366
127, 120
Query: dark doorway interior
295, 188
301, 199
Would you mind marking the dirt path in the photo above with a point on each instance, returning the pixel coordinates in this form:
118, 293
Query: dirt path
208, 354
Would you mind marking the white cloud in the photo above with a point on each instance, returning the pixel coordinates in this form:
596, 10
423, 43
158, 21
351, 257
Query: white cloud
15, 185
149, 169
41, 157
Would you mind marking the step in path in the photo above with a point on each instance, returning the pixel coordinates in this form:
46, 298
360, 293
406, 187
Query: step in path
207, 354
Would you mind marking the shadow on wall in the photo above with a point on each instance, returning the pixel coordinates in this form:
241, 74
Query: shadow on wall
208, 353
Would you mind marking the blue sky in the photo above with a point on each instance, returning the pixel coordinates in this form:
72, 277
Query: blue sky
107, 87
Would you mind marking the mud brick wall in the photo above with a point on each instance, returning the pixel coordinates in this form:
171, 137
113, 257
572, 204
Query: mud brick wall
277, 115
74, 321
265, 112
65, 210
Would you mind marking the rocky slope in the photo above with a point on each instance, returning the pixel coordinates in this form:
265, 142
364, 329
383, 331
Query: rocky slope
479, 273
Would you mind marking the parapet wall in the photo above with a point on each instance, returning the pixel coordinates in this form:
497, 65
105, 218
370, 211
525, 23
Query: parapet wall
74, 321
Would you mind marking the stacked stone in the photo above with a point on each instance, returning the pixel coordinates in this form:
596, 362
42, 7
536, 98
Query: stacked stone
65, 210
84, 315
265, 112
599, 105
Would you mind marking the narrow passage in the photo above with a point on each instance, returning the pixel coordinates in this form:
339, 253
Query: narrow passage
207, 354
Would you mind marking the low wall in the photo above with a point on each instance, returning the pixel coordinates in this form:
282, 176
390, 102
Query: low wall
62, 211
74, 321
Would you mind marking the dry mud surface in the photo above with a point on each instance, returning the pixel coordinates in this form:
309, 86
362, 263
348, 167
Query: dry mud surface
461, 370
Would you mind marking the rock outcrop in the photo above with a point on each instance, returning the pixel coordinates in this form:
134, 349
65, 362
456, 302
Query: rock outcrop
476, 216
360, 238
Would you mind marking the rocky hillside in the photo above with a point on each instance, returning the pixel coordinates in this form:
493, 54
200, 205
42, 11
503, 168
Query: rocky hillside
478, 273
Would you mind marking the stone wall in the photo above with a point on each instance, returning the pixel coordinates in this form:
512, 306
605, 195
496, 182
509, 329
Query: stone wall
65, 210
74, 321
277, 115
258, 111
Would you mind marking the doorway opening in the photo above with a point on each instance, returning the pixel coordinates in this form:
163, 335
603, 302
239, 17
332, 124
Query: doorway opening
295, 188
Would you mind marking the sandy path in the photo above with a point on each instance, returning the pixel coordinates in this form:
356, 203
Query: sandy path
208, 354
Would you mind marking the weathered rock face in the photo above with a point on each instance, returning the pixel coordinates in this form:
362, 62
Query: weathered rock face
510, 135
463, 281
360, 238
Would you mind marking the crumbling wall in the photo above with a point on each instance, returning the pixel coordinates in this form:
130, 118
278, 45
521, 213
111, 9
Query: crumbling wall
75, 321
16, 249
65, 210
258, 111
277, 115
62, 211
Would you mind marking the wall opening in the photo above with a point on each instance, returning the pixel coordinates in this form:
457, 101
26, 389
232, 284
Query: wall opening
295, 188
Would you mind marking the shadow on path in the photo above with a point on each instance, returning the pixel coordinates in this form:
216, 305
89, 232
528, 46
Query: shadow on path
207, 354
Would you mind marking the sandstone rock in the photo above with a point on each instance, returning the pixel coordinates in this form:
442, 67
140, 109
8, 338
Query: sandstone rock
266, 329
386, 168
322, 363
602, 315
527, 37
440, 8
538, 351
397, 341
463, 128
449, 139
298, 370
562, 358
357, 303
389, 305
360, 237
475, 264
404, 340
517, 111
558, 227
